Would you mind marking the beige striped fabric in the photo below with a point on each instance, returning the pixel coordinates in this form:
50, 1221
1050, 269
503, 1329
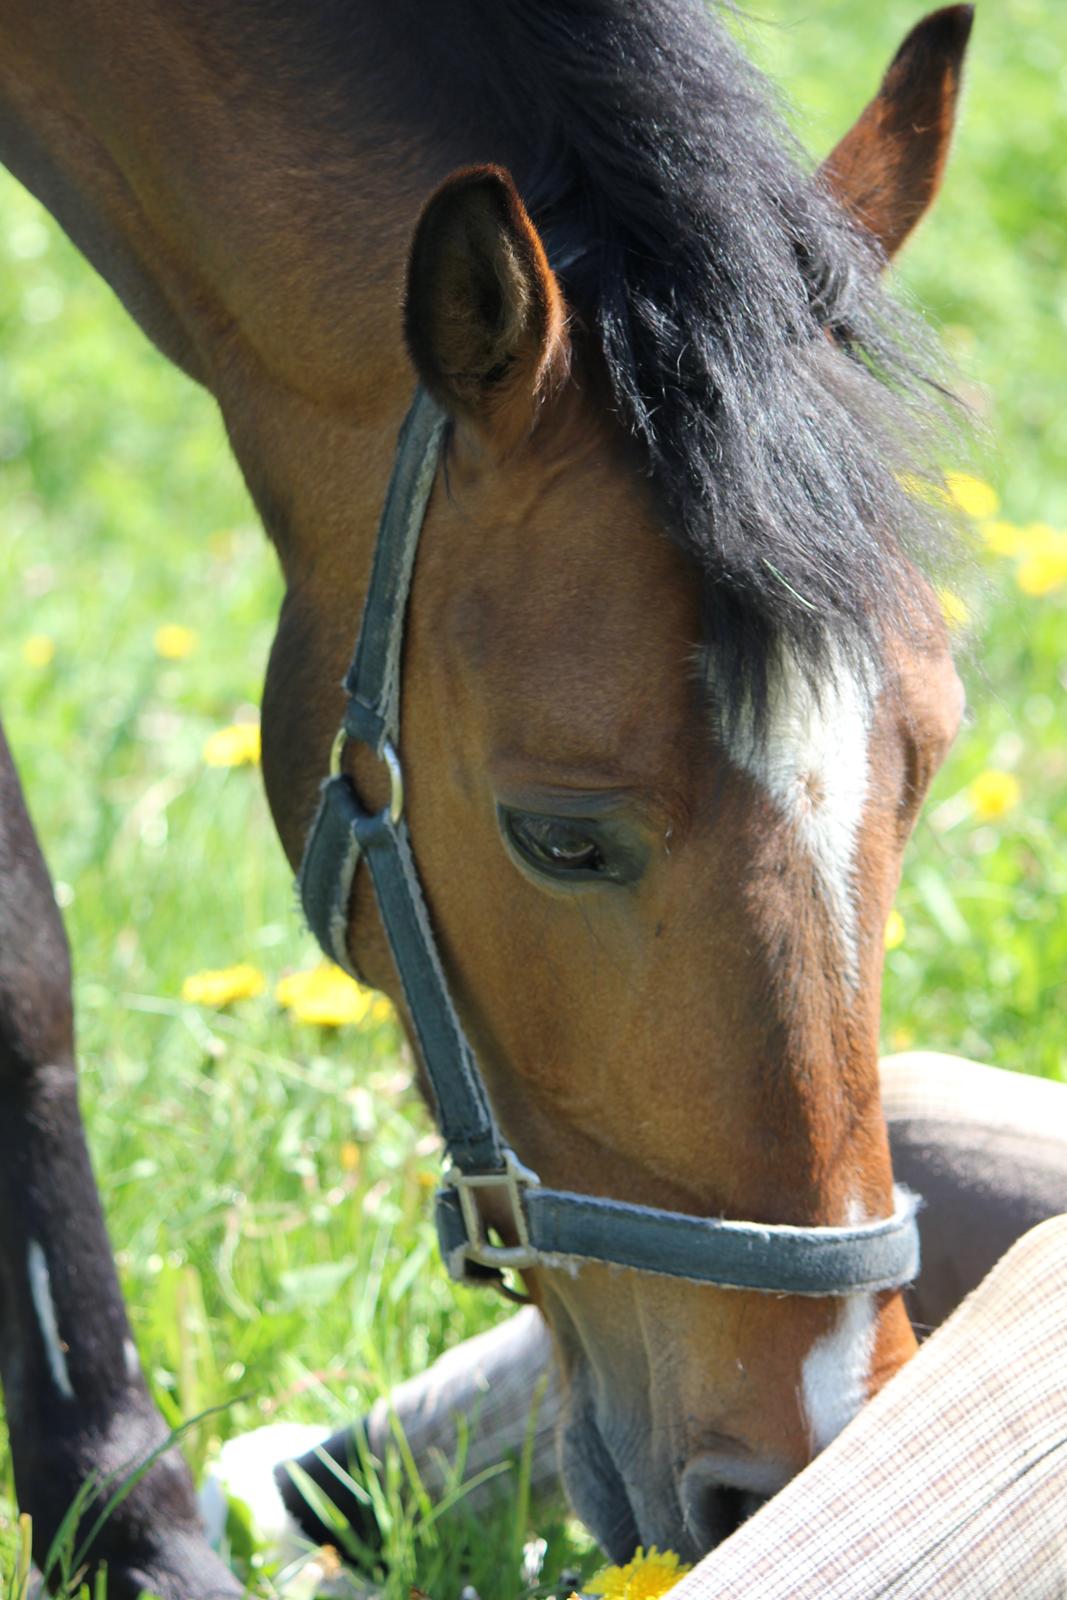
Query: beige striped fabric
928, 1086
951, 1484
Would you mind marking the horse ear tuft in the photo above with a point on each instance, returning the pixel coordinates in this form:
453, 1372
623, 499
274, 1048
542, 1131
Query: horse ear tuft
888, 167
484, 318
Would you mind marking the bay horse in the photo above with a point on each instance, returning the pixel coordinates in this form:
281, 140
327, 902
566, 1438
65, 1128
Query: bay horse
673, 683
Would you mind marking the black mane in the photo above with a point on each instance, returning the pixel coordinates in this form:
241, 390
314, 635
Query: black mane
713, 267
777, 394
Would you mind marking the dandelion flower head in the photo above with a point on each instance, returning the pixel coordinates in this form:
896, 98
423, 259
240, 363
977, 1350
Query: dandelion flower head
329, 998
235, 746
954, 608
993, 793
221, 986
649, 1575
973, 497
173, 641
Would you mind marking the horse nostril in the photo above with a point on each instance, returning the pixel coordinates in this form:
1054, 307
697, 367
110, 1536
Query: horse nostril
712, 1511
713, 1506
733, 1509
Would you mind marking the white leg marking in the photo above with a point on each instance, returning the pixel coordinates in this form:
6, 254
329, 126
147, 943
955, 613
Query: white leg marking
44, 1306
837, 1370
812, 760
244, 1471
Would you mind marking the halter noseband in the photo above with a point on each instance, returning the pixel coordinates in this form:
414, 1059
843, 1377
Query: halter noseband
553, 1227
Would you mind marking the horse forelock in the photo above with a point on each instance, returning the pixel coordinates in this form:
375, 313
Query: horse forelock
785, 405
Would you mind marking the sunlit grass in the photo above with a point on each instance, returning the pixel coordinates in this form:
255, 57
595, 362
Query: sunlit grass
265, 1177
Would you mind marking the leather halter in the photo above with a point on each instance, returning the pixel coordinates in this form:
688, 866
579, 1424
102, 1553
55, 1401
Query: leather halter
553, 1228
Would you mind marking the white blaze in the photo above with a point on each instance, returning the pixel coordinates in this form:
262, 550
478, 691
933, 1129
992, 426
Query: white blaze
837, 1370
44, 1306
812, 761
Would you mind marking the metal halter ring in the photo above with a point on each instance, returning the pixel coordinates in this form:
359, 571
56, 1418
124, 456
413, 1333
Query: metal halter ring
388, 754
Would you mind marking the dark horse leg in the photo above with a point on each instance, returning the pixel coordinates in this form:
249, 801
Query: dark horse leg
77, 1402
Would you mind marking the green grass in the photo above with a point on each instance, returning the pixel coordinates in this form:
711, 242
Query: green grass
263, 1274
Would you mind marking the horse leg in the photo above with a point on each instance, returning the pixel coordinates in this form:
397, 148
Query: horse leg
77, 1403
490, 1397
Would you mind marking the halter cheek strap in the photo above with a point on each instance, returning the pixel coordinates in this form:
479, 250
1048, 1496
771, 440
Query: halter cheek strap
552, 1227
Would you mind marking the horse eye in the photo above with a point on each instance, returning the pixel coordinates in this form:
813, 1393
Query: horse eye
554, 844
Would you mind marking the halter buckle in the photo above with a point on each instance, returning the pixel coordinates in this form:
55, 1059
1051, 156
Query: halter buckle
387, 753
512, 1180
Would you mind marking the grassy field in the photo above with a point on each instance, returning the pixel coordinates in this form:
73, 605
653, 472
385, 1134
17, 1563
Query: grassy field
266, 1179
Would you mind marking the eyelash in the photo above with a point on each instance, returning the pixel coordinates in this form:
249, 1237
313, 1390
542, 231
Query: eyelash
574, 853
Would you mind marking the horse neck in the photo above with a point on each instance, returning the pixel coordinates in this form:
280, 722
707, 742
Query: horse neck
263, 254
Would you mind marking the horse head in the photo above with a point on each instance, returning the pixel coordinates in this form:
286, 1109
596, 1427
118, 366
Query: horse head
660, 891
673, 687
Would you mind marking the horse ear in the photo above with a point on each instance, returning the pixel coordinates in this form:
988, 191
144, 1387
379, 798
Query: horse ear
484, 317
887, 169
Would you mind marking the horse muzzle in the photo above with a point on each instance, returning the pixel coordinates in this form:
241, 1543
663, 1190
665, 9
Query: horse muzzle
626, 1498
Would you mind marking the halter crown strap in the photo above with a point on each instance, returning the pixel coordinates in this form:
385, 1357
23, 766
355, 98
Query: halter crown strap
373, 679
551, 1227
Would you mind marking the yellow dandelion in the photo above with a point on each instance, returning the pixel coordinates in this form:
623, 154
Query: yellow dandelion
646, 1577
1039, 549
222, 985
38, 650
894, 930
350, 1156
174, 641
1043, 571
922, 488
235, 746
971, 496
993, 793
1008, 538
954, 608
329, 998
